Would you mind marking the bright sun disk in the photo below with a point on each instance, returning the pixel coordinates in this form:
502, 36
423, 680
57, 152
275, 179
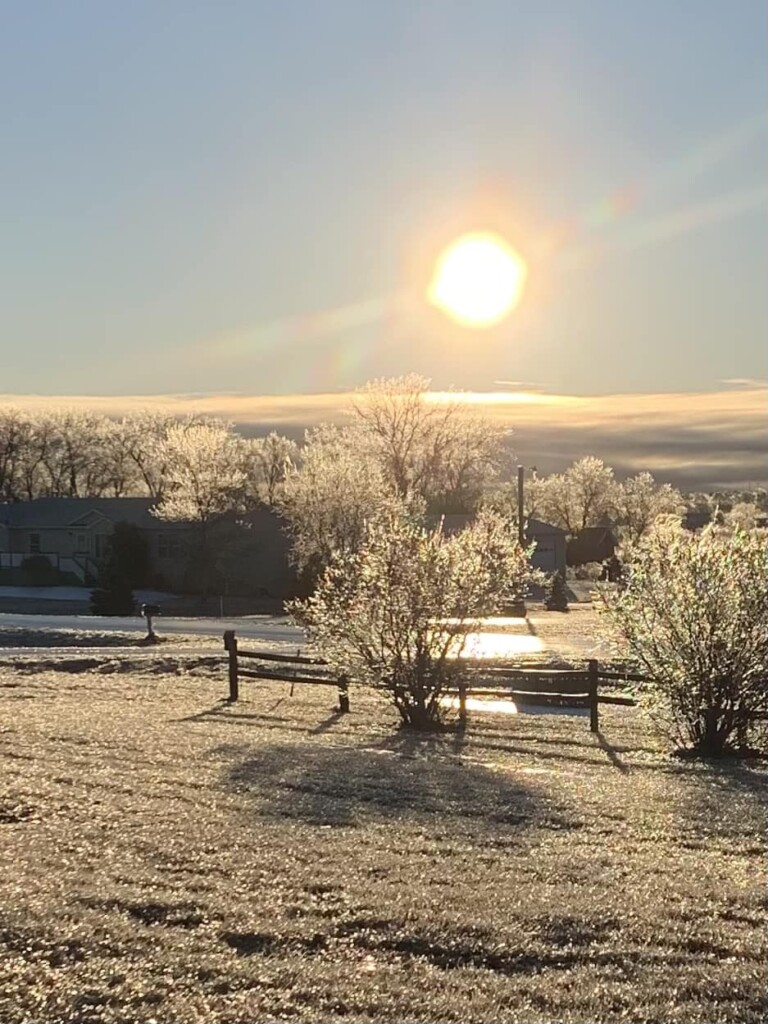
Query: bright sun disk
478, 280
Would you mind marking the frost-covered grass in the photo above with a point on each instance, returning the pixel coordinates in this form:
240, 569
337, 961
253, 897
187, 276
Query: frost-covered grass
40, 638
166, 857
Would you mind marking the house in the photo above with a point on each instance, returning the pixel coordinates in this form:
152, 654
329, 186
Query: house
592, 544
73, 536
549, 552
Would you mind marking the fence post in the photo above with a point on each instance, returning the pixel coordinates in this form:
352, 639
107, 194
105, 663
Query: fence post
230, 645
462, 701
343, 695
593, 714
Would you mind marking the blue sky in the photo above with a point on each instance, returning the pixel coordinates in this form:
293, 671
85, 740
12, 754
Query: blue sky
249, 196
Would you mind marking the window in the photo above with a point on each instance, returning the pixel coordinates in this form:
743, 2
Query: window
82, 543
34, 543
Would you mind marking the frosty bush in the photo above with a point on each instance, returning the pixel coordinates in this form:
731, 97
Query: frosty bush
395, 614
694, 617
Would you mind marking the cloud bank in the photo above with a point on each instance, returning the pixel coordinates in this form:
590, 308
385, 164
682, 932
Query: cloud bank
701, 440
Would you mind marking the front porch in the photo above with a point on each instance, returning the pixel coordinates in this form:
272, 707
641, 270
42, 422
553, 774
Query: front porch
46, 568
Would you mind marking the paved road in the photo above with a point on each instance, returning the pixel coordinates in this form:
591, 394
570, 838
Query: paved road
260, 629
572, 635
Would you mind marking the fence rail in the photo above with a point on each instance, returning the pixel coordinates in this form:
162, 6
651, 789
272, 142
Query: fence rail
288, 674
549, 687
624, 677
290, 659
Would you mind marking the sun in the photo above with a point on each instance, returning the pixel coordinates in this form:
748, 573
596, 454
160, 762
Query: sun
478, 280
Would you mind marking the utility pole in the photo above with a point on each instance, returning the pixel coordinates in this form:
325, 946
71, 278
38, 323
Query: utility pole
518, 605
521, 505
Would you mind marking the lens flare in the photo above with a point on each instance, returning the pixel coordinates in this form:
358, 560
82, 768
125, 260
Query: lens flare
478, 280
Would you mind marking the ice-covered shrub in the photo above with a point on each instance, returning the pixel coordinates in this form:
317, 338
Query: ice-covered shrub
395, 614
693, 616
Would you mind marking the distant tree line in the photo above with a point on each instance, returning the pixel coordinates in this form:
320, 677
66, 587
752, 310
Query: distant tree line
399, 441
71, 454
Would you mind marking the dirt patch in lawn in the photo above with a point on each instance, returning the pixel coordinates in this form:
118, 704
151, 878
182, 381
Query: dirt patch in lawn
168, 857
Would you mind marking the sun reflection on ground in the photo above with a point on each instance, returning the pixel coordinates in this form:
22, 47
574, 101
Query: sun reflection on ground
509, 707
501, 645
502, 637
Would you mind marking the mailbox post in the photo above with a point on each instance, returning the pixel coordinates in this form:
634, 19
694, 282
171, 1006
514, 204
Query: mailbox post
149, 611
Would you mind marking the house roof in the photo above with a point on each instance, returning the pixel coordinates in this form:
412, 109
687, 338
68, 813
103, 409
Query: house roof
537, 528
61, 513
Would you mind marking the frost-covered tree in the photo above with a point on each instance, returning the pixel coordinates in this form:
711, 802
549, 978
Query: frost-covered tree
74, 453
328, 500
14, 434
121, 475
205, 482
742, 516
50, 453
28, 483
639, 502
395, 612
204, 473
431, 447
401, 444
271, 460
71, 455
143, 439
693, 616
584, 495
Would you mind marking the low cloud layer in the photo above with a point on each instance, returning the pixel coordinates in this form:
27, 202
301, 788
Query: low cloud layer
702, 440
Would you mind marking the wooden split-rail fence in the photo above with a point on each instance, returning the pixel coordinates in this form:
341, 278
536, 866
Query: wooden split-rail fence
546, 686
540, 685
288, 668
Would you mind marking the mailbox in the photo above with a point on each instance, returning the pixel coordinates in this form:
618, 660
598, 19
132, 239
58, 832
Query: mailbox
148, 611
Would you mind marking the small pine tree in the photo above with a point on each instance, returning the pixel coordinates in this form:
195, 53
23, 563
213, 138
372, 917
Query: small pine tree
113, 597
129, 555
125, 567
556, 594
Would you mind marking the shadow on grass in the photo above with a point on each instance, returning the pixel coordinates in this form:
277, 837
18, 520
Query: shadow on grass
333, 718
612, 752
726, 800
223, 711
200, 716
406, 777
583, 742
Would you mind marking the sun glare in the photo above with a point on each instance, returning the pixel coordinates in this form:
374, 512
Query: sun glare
478, 280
